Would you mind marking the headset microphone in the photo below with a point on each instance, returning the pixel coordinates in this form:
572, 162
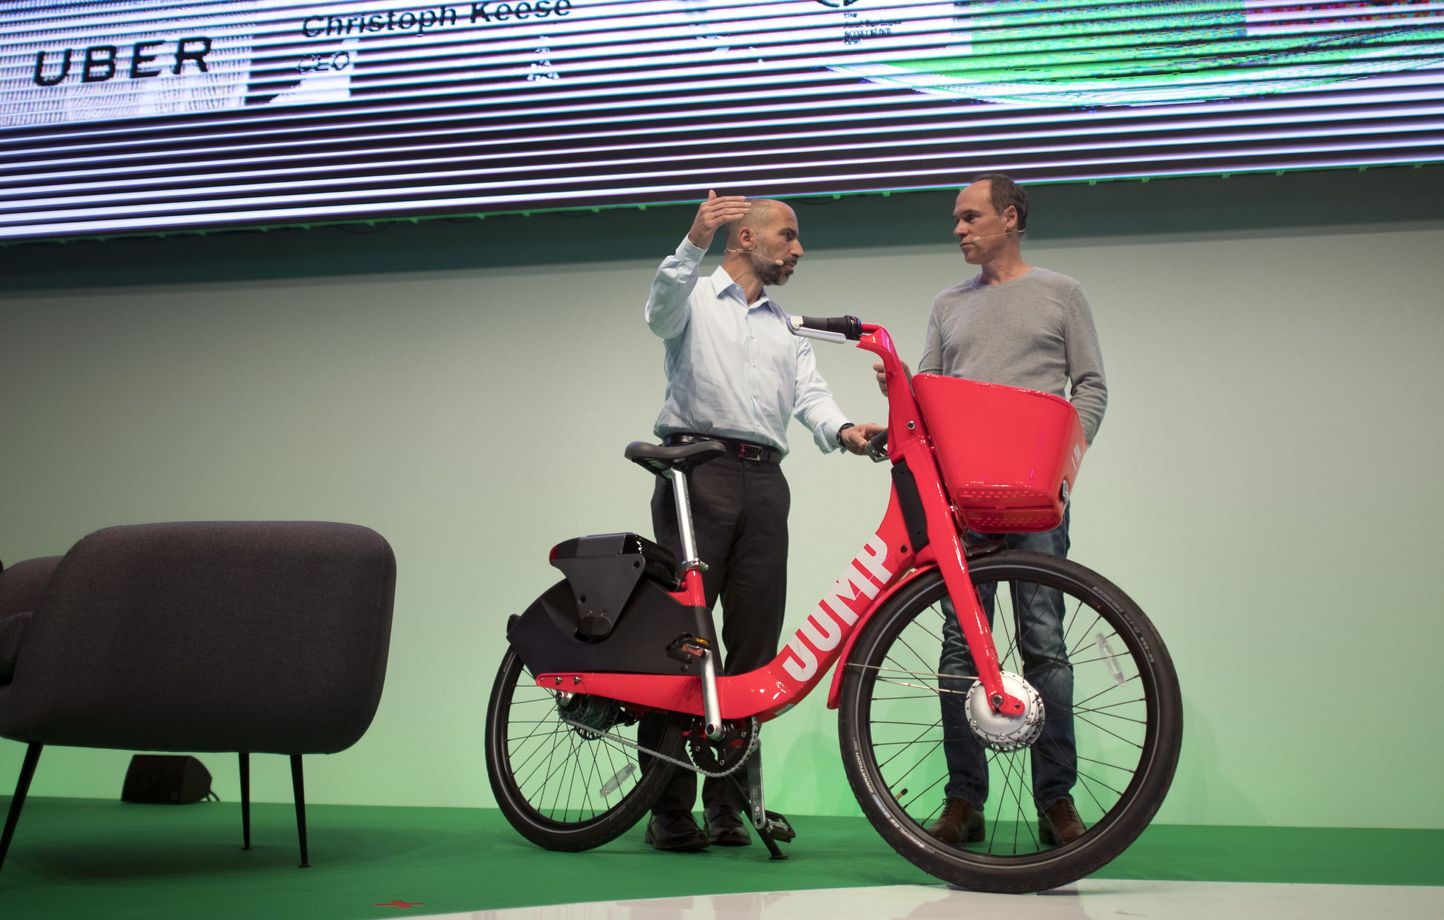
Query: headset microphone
974, 239
777, 262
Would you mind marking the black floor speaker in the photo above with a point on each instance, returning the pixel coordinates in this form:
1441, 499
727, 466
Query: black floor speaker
165, 779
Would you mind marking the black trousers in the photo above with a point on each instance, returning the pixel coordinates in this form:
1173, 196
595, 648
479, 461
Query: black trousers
739, 515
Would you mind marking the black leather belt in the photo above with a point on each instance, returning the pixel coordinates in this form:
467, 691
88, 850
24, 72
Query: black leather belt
745, 450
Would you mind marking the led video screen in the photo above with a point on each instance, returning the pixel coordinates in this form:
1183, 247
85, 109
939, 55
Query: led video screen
152, 116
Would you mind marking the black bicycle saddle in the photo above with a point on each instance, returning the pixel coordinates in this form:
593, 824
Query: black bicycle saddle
658, 458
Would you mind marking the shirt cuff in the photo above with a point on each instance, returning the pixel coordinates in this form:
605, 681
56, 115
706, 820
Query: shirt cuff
825, 435
690, 251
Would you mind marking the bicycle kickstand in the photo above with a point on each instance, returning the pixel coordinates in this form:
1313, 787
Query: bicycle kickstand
770, 826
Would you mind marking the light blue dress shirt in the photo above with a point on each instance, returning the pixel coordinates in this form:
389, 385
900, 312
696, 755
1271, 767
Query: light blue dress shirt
734, 369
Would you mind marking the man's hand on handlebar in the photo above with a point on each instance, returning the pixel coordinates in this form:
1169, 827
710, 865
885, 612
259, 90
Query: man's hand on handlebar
882, 375
855, 438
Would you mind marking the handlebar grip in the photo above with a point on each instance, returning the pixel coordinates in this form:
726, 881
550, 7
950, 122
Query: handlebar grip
877, 446
849, 327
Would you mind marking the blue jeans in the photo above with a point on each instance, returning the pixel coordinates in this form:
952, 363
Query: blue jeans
1040, 640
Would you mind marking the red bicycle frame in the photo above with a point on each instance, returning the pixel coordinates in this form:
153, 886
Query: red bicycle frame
886, 562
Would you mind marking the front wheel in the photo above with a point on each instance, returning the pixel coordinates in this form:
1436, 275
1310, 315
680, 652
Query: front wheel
560, 770
908, 745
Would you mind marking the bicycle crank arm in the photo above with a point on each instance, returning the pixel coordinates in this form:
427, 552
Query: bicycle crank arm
770, 826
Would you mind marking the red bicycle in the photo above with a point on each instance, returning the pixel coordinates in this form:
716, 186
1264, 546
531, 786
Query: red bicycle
627, 634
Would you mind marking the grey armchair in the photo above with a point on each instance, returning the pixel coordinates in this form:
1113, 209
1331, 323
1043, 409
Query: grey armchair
246, 637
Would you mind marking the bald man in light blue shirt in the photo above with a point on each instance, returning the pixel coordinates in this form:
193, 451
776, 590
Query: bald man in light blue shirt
734, 368
735, 374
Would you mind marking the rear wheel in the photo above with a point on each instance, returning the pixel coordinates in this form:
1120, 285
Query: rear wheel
1125, 708
559, 772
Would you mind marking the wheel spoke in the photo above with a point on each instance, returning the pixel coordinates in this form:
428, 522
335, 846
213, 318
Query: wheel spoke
1101, 698
561, 785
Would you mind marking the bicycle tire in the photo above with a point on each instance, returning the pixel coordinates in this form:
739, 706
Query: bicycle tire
561, 787
1128, 717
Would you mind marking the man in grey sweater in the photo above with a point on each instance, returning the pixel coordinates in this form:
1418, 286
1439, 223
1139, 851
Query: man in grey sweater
1024, 326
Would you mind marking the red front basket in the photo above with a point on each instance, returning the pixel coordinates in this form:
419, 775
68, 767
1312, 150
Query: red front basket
1009, 456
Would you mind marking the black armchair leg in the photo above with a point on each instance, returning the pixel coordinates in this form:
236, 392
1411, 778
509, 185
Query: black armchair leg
298, 785
245, 800
22, 787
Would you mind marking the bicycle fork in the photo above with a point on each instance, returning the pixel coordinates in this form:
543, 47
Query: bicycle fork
923, 497
945, 544
974, 622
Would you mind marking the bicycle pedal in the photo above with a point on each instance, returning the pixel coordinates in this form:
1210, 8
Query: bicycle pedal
780, 828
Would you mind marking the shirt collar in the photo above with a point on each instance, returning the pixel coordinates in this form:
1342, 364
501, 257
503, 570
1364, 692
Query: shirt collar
722, 281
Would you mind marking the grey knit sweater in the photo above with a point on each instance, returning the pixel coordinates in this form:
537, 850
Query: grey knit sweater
1035, 331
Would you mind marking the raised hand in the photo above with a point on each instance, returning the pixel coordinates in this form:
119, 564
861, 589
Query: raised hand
713, 213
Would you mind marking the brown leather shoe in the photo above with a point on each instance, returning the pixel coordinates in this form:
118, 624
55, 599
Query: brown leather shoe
725, 827
676, 831
960, 822
1059, 824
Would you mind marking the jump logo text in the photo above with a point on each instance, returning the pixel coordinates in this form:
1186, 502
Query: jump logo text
837, 612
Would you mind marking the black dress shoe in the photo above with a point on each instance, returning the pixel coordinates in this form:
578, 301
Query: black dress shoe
725, 828
676, 831
959, 823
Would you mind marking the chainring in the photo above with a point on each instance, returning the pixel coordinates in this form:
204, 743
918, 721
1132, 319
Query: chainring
727, 754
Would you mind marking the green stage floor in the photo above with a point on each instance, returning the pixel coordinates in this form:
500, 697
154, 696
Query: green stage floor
81, 858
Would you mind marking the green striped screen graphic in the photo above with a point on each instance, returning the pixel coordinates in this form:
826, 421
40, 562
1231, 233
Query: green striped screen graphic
1092, 53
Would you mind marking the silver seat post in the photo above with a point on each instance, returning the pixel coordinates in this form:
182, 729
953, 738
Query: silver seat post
684, 519
711, 702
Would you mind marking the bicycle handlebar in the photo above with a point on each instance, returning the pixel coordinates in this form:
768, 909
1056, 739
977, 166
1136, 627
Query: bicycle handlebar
850, 328
831, 328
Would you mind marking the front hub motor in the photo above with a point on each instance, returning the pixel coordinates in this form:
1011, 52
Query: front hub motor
1001, 732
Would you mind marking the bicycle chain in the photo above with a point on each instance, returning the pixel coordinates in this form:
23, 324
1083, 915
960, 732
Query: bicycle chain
677, 762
